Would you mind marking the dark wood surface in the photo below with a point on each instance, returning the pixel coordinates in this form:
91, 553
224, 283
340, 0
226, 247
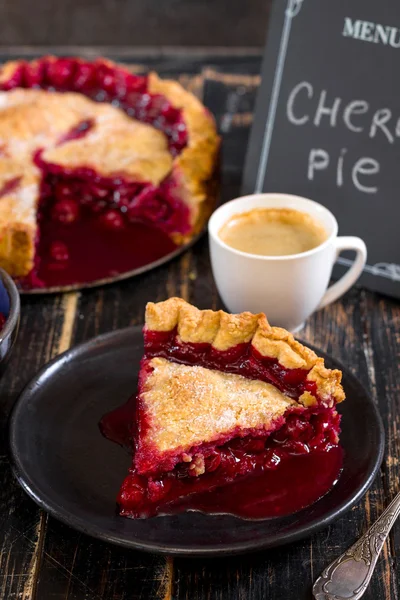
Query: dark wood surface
135, 22
42, 559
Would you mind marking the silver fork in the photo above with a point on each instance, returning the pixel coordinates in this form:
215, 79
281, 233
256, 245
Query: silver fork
348, 576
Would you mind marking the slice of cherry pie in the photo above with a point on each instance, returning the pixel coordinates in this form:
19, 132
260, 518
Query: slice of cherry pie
220, 397
92, 151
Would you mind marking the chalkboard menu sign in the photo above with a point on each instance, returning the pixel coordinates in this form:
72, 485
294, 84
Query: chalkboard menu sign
327, 121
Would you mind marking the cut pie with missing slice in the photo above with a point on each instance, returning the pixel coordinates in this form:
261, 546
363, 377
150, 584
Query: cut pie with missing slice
220, 397
92, 151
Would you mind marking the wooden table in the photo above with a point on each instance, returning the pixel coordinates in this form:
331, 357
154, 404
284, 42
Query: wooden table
42, 559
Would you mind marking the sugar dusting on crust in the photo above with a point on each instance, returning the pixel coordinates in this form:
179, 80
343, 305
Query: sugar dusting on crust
190, 405
116, 144
224, 331
32, 119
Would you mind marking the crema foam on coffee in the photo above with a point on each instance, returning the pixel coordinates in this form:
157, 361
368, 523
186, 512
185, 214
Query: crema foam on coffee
273, 232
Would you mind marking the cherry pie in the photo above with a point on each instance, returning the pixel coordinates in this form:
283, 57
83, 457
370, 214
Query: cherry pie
220, 397
91, 147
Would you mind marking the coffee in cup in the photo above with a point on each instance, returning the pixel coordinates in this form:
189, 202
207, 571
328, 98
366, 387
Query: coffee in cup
273, 232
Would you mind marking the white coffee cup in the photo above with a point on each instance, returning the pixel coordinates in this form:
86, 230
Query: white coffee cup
288, 289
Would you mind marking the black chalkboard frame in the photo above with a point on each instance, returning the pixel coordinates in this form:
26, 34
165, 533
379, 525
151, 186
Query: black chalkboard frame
381, 274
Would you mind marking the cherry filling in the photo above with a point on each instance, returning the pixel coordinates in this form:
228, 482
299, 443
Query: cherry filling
9, 186
242, 359
252, 477
77, 132
80, 241
256, 457
3, 320
115, 201
104, 82
93, 227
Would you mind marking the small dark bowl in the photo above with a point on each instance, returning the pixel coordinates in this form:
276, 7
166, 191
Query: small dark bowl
10, 307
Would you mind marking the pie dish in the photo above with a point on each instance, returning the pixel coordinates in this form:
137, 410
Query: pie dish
221, 397
90, 149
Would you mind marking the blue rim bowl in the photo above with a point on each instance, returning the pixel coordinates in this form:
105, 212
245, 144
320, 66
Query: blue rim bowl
10, 306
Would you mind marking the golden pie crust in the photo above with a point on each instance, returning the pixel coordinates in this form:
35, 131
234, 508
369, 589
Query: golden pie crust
196, 405
223, 331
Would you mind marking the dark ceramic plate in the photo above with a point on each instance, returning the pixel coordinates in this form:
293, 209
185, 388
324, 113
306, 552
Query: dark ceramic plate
67, 467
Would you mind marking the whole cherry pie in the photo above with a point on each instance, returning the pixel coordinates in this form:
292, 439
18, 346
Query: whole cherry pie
90, 151
222, 397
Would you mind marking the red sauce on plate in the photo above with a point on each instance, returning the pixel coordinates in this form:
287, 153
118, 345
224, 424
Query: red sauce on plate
298, 481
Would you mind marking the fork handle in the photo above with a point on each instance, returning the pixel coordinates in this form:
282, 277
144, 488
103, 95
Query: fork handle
348, 576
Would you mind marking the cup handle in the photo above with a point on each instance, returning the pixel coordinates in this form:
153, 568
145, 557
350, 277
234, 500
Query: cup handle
346, 281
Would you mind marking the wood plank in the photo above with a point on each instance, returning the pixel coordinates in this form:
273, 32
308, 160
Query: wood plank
145, 22
45, 331
205, 54
232, 98
382, 321
75, 566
